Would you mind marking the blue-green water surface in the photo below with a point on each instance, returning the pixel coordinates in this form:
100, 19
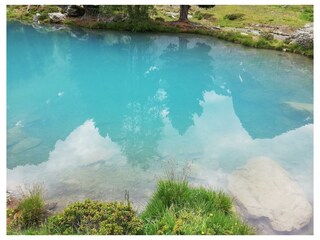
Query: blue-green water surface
92, 114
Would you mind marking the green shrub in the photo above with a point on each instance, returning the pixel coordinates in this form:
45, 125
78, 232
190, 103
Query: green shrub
198, 15
208, 16
263, 43
159, 19
234, 16
95, 217
31, 210
134, 26
177, 208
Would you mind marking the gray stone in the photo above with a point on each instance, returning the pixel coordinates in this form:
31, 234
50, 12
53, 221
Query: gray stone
36, 18
264, 190
172, 14
303, 36
56, 17
9, 196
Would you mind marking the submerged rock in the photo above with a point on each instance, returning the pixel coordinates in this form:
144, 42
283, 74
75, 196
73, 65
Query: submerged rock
308, 107
56, 17
51, 206
24, 145
14, 135
265, 190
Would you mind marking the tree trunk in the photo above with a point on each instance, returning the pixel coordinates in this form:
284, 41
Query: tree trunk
184, 13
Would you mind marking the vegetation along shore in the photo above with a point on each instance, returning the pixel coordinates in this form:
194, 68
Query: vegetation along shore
175, 208
279, 27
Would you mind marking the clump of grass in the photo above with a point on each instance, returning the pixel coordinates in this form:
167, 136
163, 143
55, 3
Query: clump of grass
198, 15
234, 16
307, 13
40, 230
31, 210
177, 208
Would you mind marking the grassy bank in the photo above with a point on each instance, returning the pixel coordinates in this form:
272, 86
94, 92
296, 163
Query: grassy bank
223, 22
261, 42
288, 17
175, 208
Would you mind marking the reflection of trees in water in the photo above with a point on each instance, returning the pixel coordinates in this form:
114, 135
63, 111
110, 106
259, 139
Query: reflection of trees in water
121, 98
29, 60
187, 72
262, 88
128, 95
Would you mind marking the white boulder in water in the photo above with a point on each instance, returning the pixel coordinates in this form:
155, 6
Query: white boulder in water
265, 190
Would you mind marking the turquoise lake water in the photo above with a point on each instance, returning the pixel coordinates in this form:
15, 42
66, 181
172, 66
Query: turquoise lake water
92, 114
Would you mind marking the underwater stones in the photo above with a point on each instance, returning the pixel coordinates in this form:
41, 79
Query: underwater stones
56, 17
263, 189
25, 144
14, 135
307, 107
51, 206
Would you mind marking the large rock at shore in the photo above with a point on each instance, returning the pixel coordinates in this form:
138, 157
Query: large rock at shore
265, 190
303, 36
56, 17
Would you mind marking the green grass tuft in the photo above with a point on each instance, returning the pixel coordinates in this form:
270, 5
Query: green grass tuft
177, 208
31, 211
307, 13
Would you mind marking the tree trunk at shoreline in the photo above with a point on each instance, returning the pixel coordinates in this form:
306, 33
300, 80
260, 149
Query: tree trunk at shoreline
184, 13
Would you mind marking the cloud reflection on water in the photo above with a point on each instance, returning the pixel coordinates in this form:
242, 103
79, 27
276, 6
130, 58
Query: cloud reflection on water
86, 164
